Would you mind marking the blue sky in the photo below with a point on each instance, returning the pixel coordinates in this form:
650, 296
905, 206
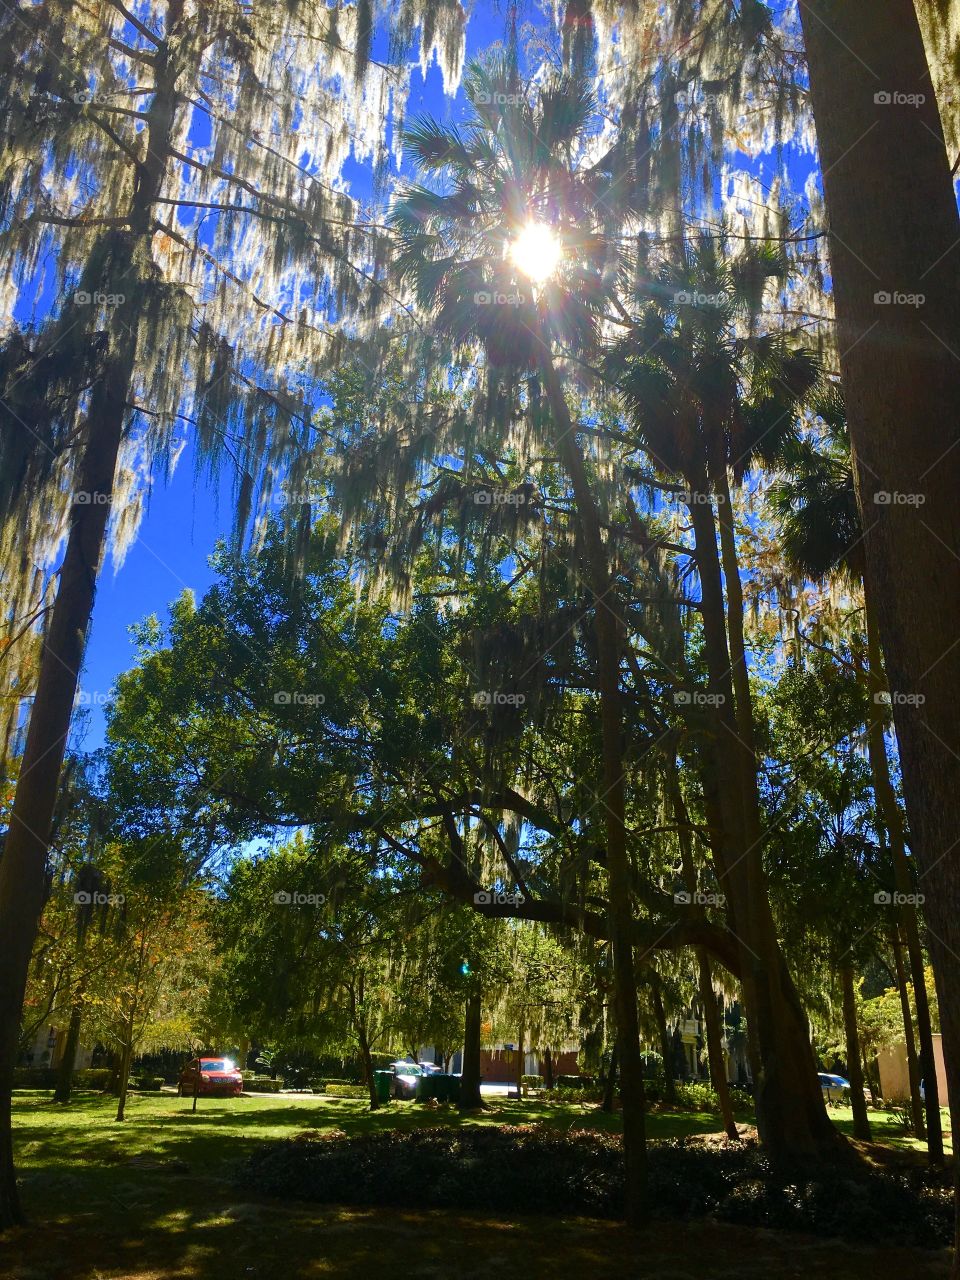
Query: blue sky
186, 517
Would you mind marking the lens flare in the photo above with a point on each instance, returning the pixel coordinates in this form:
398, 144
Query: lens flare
536, 252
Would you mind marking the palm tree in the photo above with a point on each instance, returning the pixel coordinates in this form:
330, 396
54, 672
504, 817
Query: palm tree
512, 252
706, 392
821, 536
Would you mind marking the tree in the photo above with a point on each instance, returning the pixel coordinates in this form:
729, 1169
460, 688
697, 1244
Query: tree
875, 113
135, 310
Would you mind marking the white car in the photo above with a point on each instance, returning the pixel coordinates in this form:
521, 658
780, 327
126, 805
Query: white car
834, 1087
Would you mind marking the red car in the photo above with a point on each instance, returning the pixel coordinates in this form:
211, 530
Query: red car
215, 1076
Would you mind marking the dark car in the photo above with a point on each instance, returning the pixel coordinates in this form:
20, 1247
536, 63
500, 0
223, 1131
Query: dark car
406, 1076
210, 1076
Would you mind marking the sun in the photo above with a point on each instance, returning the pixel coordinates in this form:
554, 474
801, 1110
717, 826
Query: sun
537, 252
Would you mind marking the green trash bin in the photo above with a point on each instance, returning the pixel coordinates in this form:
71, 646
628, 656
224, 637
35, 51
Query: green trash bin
383, 1083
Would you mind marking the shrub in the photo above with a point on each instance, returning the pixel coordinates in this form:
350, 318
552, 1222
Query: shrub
575, 1082
343, 1089
321, 1084
696, 1095
263, 1084
534, 1169
147, 1084
535, 1082
562, 1094
46, 1077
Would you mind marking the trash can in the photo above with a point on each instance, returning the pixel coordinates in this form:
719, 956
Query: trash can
383, 1083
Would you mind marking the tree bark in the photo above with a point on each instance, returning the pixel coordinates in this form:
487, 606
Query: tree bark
791, 1116
718, 1066
906, 911
72, 1043
470, 1096
861, 1122
607, 625
23, 866
666, 1041
547, 1068
913, 1065
610, 1087
902, 382
521, 1035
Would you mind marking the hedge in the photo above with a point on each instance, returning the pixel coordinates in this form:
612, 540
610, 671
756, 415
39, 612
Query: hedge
262, 1084
339, 1089
535, 1169
47, 1077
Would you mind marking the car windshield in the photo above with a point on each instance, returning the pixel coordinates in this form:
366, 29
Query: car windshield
407, 1069
216, 1064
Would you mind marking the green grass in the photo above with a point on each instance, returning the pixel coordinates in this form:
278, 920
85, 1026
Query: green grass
158, 1196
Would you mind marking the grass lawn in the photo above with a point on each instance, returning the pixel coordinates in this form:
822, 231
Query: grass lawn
157, 1197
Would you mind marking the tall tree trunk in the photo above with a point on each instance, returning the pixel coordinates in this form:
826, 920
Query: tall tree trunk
711, 1014
900, 371
861, 1123
547, 1068
470, 1096
907, 912
69, 1058
521, 1036
913, 1065
718, 1066
871, 1076
23, 865
607, 625
355, 998
126, 1057
666, 1040
610, 1087
791, 1117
